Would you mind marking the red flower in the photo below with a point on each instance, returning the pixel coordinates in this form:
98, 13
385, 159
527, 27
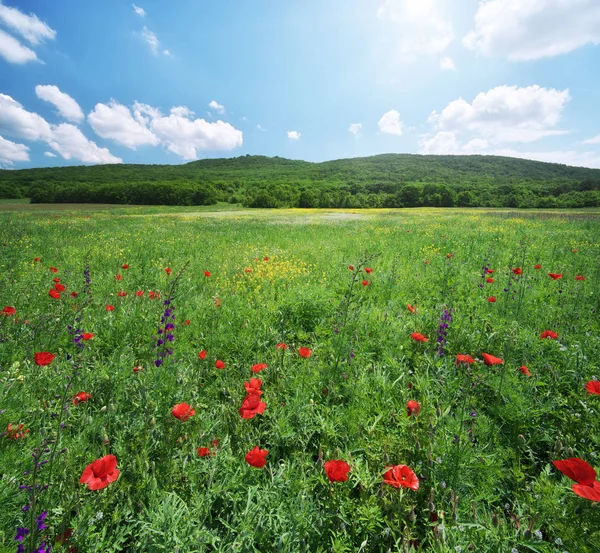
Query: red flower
248, 270
138, 369
593, 387
281, 345
489, 280
253, 387
54, 294
43, 358
368, 270
365, 283
304, 352
466, 359
411, 308
59, 287
258, 367
489, 271
449, 255
119, 277
110, 308
413, 408
538, 266
37, 259
548, 334
525, 370
337, 471
582, 473
574, 251
125, 266
554, 276
252, 406
351, 267
139, 293
257, 457
401, 476
54, 269
492, 299
87, 335
202, 354
206, 273
153, 295
220, 364
100, 473
579, 277
490, 360
81, 397
56, 279
203, 452
8, 310
182, 411
16, 432
74, 294
265, 259
417, 337
187, 322
217, 302
517, 271
121, 294
168, 271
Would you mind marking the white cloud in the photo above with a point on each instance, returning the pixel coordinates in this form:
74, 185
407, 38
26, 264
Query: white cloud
181, 111
258, 126
447, 64
114, 121
595, 140
11, 152
28, 26
421, 26
144, 113
355, 128
293, 135
17, 121
71, 143
216, 106
140, 11
390, 123
13, 51
528, 30
151, 39
167, 52
65, 105
49, 154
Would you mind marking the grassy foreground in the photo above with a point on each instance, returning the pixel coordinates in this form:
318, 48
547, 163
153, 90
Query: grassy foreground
481, 441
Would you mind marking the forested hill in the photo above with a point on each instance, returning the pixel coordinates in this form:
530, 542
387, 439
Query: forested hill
389, 180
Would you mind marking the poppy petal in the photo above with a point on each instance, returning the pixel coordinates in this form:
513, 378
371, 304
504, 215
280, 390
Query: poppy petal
577, 470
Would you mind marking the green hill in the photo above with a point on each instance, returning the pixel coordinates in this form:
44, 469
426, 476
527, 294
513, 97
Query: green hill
388, 180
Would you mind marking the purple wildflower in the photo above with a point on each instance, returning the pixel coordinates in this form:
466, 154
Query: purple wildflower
21, 533
40, 521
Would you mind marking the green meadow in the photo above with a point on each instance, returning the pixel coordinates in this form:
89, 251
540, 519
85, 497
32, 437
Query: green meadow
251, 287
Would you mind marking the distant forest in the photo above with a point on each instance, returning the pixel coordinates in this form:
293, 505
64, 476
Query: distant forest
390, 180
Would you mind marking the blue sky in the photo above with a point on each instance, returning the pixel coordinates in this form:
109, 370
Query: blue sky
169, 82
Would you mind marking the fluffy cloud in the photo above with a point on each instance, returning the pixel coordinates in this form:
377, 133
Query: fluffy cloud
447, 64
390, 123
355, 128
293, 135
28, 26
65, 105
220, 108
49, 154
71, 143
422, 27
11, 152
534, 29
17, 121
115, 121
140, 11
13, 51
151, 39
595, 140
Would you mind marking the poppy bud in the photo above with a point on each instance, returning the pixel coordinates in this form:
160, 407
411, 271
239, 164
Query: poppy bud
153, 421
431, 507
495, 520
90, 420
103, 409
412, 515
558, 447
569, 452
527, 534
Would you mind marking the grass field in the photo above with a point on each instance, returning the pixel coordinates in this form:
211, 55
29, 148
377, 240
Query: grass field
480, 442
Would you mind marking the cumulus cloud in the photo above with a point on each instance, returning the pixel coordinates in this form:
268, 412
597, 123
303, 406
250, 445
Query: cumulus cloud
216, 106
71, 143
595, 140
13, 51
293, 135
447, 64
30, 27
520, 30
140, 11
17, 121
390, 123
355, 128
66, 106
11, 152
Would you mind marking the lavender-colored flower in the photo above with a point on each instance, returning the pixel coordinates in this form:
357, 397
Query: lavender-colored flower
21, 533
40, 521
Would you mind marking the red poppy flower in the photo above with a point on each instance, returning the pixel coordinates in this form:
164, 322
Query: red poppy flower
206, 273
187, 322
449, 255
139, 293
525, 370
203, 452
351, 267
489, 280
81, 397
265, 259
121, 294
153, 295
110, 308
538, 266
16, 432
74, 294
554, 276
253, 387
492, 299
368, 270
365, 283
59, 287
577, 470
182, 411
579, 277
258, 367
87, 335
217, 302
248, 270
401, 476
517, 271
337, 471
593, 387
281, 345
9, 310
54, 269
548, 334
219, 364
411, 308
138, 369
304, 352
43, 358
202, 354
168, 271
100, 473
490, 360
257, 457
418, 337
125, 266
591, 492
252, 406
56, 279
37, 259
489, 271
413, 408
466, 359
54, 294
118, 277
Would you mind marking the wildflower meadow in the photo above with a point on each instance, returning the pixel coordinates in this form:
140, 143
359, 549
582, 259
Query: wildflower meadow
299, 381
